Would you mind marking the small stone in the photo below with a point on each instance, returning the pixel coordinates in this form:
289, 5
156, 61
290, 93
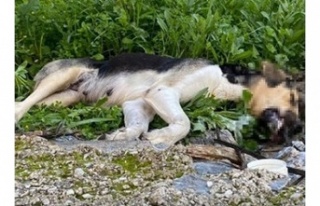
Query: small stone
79, 191
135, 183
104, 192
218, 195
228, 193
45, 201
296, 196
78, 172
87, 196
70, 192
35, 200
27, 185
209, 184
122, 178
176, 157
126, 187
68, 203
52, 190
158, 197
299, 145
185, 159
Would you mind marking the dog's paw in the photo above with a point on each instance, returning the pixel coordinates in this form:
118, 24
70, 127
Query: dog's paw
120, 134
159, 143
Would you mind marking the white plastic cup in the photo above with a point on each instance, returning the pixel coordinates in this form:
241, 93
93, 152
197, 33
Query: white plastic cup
272, 165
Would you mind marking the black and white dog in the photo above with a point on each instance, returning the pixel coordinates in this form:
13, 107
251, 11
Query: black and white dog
145, 85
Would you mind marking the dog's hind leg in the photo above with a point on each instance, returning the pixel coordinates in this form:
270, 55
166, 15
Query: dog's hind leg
137, 116
66, 98
53, 83
165, 102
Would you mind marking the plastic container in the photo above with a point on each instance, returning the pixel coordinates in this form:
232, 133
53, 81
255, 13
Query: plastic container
272, 165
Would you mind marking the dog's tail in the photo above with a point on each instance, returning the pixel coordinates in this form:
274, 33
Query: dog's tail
56, 65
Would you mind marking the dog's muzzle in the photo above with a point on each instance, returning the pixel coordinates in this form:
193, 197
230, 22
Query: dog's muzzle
280, 126
272, 119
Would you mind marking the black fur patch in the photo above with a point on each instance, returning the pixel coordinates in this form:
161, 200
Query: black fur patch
273, 82
275, 79
238, 74
136, 62
83, 61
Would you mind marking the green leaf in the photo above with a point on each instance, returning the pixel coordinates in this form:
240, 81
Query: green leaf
246, 96
265, 15
162, 24
250, 144
242, 55
271, 48
198, 126
101, 102
98, 57
88, 121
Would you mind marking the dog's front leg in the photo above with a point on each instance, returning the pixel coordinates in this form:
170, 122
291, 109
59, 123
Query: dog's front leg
165, 101
137, 116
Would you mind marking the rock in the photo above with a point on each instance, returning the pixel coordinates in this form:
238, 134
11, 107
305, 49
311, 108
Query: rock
299, 145
35, 201
279, 184
203, 168
105, 191
68, 203
296, 196
193, 182
79, 191
70, 192
293, 157
87, 196
45, 201
52, 190
78, 173
159, 196
228, 193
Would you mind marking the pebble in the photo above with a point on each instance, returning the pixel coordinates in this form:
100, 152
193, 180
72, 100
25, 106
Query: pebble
78, 173
228, 193
68, 203
296, 196
52, 190
45, 201
87, 196
209, 184
70, 192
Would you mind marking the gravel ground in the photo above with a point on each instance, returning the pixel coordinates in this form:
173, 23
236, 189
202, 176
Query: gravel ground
48, 174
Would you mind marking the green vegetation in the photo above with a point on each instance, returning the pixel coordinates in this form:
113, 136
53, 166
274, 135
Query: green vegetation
231, 31
80, 120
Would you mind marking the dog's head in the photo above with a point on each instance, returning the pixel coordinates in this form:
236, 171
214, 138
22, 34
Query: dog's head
275, 102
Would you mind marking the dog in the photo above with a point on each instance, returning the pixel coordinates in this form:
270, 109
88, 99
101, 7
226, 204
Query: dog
145, 85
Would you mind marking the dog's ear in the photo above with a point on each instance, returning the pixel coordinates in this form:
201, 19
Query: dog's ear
273, 75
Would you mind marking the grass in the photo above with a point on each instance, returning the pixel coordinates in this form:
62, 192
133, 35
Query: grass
225, 31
